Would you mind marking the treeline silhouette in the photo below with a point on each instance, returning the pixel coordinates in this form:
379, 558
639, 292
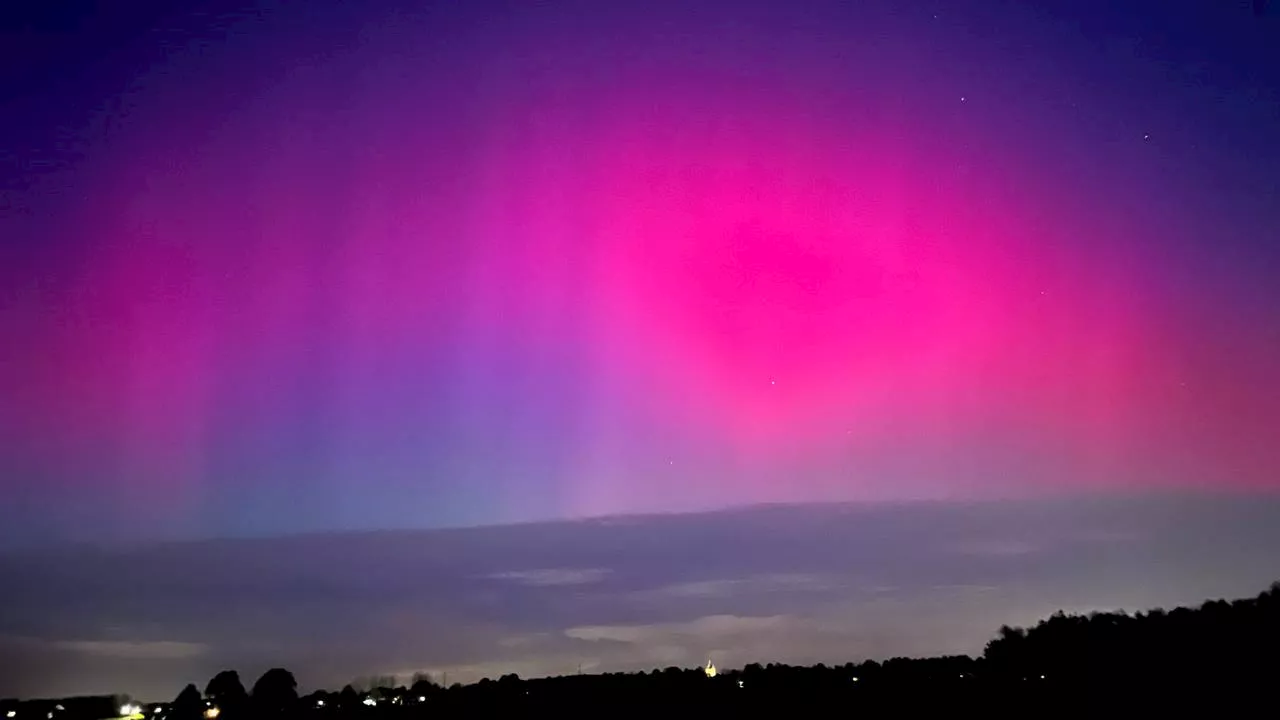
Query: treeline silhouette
1225, 655
1219, 643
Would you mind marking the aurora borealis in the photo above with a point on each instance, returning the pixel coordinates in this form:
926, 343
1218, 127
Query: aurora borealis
420, 265
312, 313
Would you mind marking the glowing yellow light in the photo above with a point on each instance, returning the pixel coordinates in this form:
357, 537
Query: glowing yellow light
212, 713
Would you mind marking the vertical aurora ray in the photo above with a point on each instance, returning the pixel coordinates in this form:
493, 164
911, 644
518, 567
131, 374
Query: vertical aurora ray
550, 271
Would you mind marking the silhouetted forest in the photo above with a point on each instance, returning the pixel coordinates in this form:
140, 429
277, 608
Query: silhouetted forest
1221, 659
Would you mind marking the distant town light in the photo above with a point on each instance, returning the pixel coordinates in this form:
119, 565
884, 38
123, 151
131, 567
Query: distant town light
212, 712
1041, 677
854, 678
319, 703
11, 713
423, 698
130, 709
370, 702
739, 683
156, 711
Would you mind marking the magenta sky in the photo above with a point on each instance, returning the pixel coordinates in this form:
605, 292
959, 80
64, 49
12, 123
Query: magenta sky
366, 268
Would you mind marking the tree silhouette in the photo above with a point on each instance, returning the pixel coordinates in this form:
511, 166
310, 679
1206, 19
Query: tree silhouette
226, 692
189, 705
275, 691
348, 698
423, 686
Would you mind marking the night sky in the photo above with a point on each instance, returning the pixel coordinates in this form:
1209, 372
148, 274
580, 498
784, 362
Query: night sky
279, 267
363, 265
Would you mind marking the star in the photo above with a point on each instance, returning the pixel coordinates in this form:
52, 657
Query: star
1146, 136
962, 98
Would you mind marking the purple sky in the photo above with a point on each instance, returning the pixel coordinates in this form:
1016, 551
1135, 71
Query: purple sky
392, 265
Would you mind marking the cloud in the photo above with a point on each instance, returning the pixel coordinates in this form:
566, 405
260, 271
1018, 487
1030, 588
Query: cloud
134, 650
552, 577
538, 599
755, 584
711, 627
996, 548
732, 639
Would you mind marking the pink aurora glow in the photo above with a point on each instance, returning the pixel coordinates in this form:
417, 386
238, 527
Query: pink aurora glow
651, 294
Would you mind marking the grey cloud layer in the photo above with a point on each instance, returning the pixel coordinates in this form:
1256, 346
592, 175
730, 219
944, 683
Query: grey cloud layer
801, 584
